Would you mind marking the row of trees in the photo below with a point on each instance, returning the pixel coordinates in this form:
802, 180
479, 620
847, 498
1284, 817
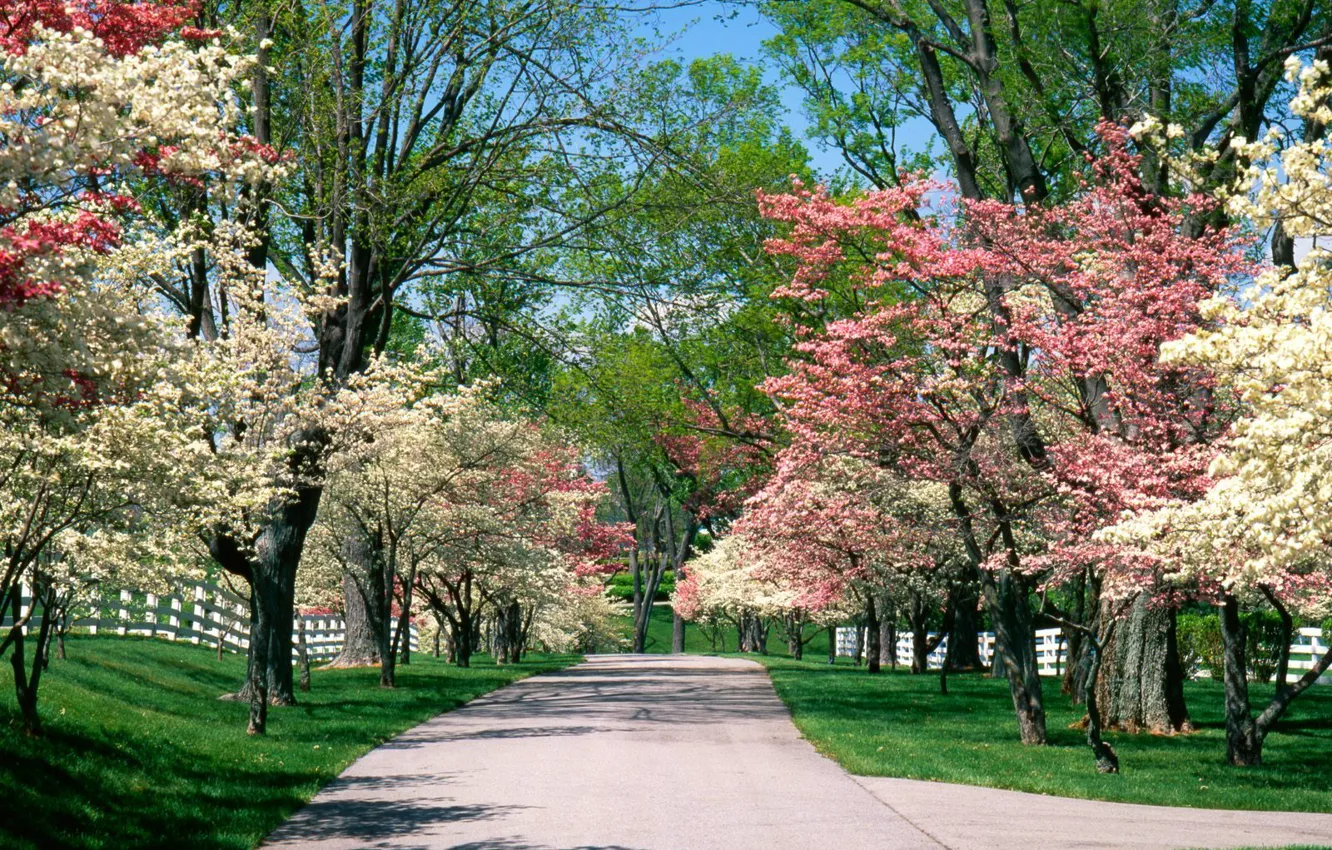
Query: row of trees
253, 253
203, 257
1087, 411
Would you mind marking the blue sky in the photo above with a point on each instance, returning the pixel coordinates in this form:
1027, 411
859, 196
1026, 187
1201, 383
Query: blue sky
710, 28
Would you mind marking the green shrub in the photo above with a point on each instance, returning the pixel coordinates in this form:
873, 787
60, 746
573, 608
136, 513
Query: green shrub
621, 586
1200, 646
1263, 644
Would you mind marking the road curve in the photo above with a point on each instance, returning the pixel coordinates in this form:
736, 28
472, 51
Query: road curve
692, 753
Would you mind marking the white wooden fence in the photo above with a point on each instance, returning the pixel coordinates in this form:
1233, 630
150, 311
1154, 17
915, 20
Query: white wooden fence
1306, 648
203, 614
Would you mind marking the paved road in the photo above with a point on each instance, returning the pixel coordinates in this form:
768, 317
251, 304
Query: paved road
691, 753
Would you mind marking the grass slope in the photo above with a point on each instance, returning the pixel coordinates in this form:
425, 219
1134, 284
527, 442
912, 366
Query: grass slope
896, 724
140, 753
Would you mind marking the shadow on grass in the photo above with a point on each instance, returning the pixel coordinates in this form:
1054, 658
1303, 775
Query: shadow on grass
139, 753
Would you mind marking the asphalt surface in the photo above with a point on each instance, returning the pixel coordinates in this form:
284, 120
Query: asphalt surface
693, 753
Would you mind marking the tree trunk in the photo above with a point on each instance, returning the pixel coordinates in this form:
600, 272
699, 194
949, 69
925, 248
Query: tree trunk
656, 569
888, 633
832, 644
361, 638
402, 637
1104, 754
277, 592
1141, 687
963, 647
1077, 655
260, 637
636, 572
463, 635
1244, 746
1015, 651
794, 625
26, 682
872, 635
303, 655
918, 617
678, 635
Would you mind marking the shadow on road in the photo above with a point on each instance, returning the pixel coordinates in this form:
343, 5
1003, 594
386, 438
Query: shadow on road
370, 820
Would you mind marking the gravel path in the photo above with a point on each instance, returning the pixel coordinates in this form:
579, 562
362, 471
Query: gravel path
695, 753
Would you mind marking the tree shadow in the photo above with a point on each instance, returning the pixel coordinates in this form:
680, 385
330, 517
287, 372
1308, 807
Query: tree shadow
374, 820
514, 844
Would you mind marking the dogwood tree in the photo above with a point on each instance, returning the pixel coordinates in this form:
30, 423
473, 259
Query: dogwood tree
1261, 531
455, 507
1011, 357
92, 96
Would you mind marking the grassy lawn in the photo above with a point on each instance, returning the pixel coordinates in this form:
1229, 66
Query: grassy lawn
140, 752
896, 724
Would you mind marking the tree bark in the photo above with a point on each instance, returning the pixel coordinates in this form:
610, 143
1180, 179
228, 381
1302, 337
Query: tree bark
27, 680
1244, 746
1104, 754
963, 646
859, 647
918, 617
795, 635
888, 633
1141, 687
872, 635
1015, 649
303, 656
260, 638
271, 574
832, 644
361, 636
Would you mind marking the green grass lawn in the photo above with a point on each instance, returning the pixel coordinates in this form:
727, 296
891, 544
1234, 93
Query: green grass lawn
895, 724
140, 753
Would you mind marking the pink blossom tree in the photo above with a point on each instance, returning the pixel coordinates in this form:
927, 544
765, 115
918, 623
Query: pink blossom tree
1011, 355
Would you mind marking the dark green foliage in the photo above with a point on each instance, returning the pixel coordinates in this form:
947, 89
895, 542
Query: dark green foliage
622, 587
709, 640
899, 725
140, 752
1200, 644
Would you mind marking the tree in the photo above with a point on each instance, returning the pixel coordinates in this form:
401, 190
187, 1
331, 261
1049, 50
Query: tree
930, 382
1010, 97
97, 98
1260, 530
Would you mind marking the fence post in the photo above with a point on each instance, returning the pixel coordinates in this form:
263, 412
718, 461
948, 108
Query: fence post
123, 614
200, 617
174, 619
25, 602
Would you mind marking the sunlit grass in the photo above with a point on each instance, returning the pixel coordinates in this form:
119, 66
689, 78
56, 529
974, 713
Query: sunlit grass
895, 724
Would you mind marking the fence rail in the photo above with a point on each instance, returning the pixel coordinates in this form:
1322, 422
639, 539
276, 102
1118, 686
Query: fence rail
200, 613
1307, 646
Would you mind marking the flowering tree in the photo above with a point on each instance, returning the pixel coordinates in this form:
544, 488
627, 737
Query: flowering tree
94, 97
1010, 356
1261, 529
458, 509
725, 586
